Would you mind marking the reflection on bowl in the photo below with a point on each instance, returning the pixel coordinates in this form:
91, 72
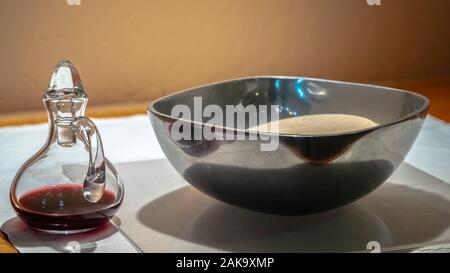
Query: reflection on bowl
305, 173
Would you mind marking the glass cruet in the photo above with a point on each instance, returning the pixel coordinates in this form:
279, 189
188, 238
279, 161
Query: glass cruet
68, 186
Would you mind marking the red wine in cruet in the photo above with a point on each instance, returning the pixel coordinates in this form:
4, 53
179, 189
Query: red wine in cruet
63, 208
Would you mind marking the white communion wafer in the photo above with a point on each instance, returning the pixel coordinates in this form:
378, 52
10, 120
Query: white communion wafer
316, 124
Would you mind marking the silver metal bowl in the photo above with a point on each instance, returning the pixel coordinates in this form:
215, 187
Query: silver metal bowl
305, 174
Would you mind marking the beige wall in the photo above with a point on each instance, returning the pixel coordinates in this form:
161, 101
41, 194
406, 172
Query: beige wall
131, 50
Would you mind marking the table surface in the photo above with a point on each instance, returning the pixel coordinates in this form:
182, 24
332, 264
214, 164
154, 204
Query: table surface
438, 91
5, 246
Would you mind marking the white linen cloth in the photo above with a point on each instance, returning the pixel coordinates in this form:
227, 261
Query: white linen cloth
129, 139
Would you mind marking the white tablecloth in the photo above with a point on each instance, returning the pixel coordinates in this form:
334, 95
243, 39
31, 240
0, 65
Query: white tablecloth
132, 139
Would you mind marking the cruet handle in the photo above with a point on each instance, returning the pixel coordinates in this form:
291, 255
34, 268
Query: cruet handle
95, 181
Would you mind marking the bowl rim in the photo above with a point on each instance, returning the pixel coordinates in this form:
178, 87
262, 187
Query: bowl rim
422, 109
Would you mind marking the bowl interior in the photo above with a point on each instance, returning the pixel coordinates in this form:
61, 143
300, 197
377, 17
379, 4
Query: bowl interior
302, 96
